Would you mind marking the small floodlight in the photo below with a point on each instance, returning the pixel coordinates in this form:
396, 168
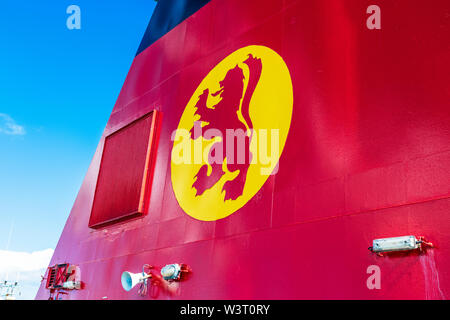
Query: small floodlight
70, 285
404, 243
171, 271
174, 271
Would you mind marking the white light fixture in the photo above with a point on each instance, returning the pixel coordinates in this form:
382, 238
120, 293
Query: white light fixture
171, 271
404, 243
71, 285
174, 271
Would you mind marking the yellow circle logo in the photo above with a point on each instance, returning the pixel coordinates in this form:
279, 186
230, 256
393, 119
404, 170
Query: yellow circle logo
232, 133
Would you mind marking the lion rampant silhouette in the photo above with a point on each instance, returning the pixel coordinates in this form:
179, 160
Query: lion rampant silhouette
223, 116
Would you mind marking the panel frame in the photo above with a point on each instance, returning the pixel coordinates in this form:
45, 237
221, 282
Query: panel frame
144, 195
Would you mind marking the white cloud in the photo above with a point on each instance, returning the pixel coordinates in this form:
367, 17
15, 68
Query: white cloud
16, 261
26, 268
10, 127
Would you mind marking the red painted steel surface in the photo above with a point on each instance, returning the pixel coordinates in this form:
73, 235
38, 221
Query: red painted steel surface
124, 172
367, 156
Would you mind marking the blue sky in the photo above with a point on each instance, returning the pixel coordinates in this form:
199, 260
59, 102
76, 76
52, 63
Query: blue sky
57, 89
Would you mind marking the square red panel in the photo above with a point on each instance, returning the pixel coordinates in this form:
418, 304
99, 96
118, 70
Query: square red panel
123, 184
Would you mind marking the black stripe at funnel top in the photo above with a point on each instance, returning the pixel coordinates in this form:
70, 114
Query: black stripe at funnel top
167, 15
